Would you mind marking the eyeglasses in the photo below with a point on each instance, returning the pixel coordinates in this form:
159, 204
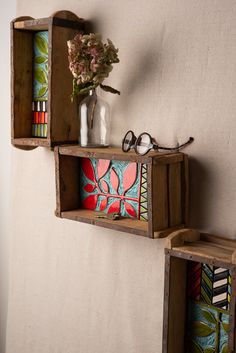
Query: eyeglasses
144, 143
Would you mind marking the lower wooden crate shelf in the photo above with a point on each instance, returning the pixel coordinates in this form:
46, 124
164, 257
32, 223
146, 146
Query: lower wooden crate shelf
199, 294
149, 192
124, 224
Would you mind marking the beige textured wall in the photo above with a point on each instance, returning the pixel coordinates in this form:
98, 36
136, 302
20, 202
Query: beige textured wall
77, 288
6, 15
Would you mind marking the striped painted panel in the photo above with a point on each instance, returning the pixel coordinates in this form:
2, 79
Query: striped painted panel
194, 280
209, 284
215, 286
143, 194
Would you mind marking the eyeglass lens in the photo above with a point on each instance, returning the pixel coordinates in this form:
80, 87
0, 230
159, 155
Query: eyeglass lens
128, 141
143, 144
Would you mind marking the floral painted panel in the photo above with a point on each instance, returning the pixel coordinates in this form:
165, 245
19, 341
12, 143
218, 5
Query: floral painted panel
113, 186
40, 66
207, 328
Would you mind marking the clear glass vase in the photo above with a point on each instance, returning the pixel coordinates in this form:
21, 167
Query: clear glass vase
94, 115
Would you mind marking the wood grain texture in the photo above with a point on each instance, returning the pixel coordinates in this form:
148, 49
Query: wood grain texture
63, 123
185, 189
179, 237
114, 153
175, 194
177, 306
63, 113
160, 196
128, 225
208, 249
157, 225
21, 82
67, 183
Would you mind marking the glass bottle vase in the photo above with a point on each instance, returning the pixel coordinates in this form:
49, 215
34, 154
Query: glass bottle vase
94, 115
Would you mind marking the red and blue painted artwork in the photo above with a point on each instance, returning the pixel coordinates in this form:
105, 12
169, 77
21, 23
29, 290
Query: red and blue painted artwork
114, 186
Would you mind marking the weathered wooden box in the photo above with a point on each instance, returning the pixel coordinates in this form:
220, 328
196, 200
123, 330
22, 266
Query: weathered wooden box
150, 192
199, 294
62, 123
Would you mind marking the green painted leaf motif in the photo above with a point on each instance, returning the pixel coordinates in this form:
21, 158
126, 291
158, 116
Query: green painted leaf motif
225, 349
209, 350
201, 329
40, 59
42, 91
40, 76
195, 348
225, 326
41, 44
209, 316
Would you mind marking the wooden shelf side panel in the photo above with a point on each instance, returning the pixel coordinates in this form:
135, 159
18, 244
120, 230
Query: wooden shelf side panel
67, 183
65, 122
21, 83
174, 305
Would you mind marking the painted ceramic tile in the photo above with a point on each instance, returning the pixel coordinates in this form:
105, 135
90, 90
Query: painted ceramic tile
111, 186
207, 329
209, 284
40, 66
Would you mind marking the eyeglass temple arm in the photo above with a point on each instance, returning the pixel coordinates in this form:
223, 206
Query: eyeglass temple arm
190, 140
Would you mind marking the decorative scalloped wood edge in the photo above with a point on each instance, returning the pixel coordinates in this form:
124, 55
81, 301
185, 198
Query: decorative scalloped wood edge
179, 237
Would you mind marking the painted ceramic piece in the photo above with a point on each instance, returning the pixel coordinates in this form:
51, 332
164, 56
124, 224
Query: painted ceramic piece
114, 186
210, 284
207, 329
40, 66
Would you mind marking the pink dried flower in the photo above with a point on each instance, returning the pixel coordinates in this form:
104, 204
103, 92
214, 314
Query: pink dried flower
90, 62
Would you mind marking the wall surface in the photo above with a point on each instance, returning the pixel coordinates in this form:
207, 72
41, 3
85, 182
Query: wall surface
75, 288
6, 15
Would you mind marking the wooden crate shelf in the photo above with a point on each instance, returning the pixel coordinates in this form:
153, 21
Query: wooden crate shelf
164, 179
62, 122
199, 294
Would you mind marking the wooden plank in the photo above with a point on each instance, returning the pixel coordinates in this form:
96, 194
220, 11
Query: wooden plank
67, 183
21, 82
150, 199
127, 225
31, 141
232, 313
64, 115
33, 24
166, 305
113, 153
185, 190
207, 252
218, 240
165, 232
160, 197
175, 197
179, 237
177, 305
168, 157
57, 182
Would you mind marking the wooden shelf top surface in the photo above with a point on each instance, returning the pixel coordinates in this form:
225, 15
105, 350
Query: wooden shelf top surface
116, 153
31, 141
202, 245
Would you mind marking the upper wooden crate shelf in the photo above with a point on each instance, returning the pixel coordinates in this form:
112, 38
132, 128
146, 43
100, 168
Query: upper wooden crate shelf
60, 123
149, 192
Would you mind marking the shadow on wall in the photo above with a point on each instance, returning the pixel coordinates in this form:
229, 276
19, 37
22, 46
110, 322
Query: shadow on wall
200, 182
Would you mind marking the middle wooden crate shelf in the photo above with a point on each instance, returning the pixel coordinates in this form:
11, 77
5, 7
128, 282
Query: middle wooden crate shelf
150, 193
